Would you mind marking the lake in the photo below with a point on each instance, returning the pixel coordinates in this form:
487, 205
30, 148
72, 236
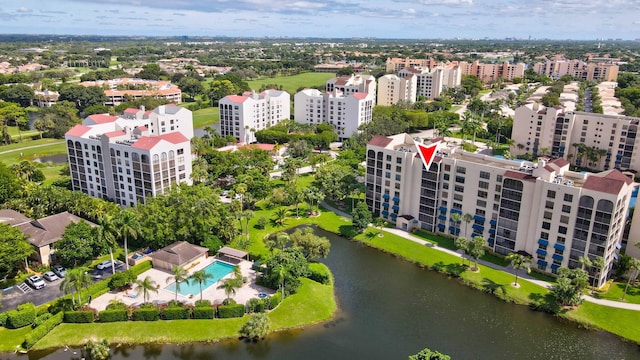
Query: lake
389, 309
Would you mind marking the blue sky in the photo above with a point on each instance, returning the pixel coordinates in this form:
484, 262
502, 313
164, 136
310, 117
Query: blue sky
555, 19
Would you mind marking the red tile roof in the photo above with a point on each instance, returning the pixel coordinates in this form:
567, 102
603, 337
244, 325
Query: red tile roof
78, 130
146, 142
380, 141
360, 95
519, 175
131, 111
237, 98
114, 133
174, 137
560, 162
610, 182
102, 118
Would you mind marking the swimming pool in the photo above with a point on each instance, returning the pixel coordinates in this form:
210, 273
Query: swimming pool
217, 270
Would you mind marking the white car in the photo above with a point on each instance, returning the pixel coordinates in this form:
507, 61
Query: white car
50, 276
104, 265
35, 282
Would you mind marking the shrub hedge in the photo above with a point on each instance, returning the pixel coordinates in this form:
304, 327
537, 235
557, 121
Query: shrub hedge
202, 303
319, 274
175, 313
146, 314
3, 318
230, 311
113, 315
41, 318
79, 317
274, 300
43, 329
23, 315
204, 312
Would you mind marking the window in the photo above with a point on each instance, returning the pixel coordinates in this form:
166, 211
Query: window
562, 230
564, 219
546, 225
483, 185
549, 205
499, 178
484, 175
180, 151
461, 170
568, 197
399, 160
551, 194
566, 208
388, 157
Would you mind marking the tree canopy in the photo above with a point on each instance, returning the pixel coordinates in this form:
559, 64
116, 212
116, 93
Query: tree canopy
14, 249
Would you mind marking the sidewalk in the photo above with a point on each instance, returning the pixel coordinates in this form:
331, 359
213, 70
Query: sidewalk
521, 274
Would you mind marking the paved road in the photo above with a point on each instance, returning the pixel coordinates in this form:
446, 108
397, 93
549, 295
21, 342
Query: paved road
31, 147
509, 269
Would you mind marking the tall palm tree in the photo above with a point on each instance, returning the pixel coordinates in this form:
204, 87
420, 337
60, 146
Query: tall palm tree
467, 218
280, 216
519, 262
128, 224
77, 279
584, 262
634, 265
456, 218
200, 277
281, 272
179, 275
598, 265
107, 232
145, 286
230, 286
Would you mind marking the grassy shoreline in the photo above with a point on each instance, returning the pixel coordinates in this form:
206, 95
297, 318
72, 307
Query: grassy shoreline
313, 303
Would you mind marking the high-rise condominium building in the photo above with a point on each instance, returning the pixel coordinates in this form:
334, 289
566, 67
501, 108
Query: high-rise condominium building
242, 115
589, 140
542, 209
345, 112
392, 89
131, 157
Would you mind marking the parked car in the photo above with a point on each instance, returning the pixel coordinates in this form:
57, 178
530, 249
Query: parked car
35, 282
50, 276
59, 270
107, 264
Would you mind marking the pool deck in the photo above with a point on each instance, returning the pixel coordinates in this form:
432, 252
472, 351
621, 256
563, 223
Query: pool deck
216, 296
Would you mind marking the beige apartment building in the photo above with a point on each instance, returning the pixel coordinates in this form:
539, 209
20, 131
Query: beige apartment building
543, 209
492, 72
396, 64
392, 89
594, 141
557, 67
431, 83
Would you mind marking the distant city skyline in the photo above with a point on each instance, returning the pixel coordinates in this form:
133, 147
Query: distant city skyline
417, 19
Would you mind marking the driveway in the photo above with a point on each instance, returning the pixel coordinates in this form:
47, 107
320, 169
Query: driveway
14, 296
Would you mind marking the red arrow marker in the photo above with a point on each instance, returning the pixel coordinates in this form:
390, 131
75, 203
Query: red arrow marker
427, 153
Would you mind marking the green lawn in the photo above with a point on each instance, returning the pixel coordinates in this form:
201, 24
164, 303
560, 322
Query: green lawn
291, 83
32, 149
10, 340
618, 321
448, 243
617, 289
204, 117
312, 303
26, 134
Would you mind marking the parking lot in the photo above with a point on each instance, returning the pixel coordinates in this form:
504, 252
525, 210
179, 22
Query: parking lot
22, 293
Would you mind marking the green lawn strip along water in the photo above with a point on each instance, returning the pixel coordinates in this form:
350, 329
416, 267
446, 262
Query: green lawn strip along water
621, 322
11, 339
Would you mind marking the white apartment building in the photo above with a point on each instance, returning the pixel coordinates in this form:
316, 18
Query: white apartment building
242, 115
352, 84
392, 89
345, 112
612, 138
543, 209
557, 67
130, 157
121, 90
430, 84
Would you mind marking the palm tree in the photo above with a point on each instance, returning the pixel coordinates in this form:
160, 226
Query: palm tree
107, 231
456, 218
77, 279
200, 277
281, 272
519, 262
145, 286
584, 262
462, 244
467, 219
230, 286
128, 224
280, 216
634, 265
476, 249
598, 265
179, 275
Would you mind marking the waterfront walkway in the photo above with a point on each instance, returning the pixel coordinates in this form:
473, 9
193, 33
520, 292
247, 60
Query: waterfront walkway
509, 269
